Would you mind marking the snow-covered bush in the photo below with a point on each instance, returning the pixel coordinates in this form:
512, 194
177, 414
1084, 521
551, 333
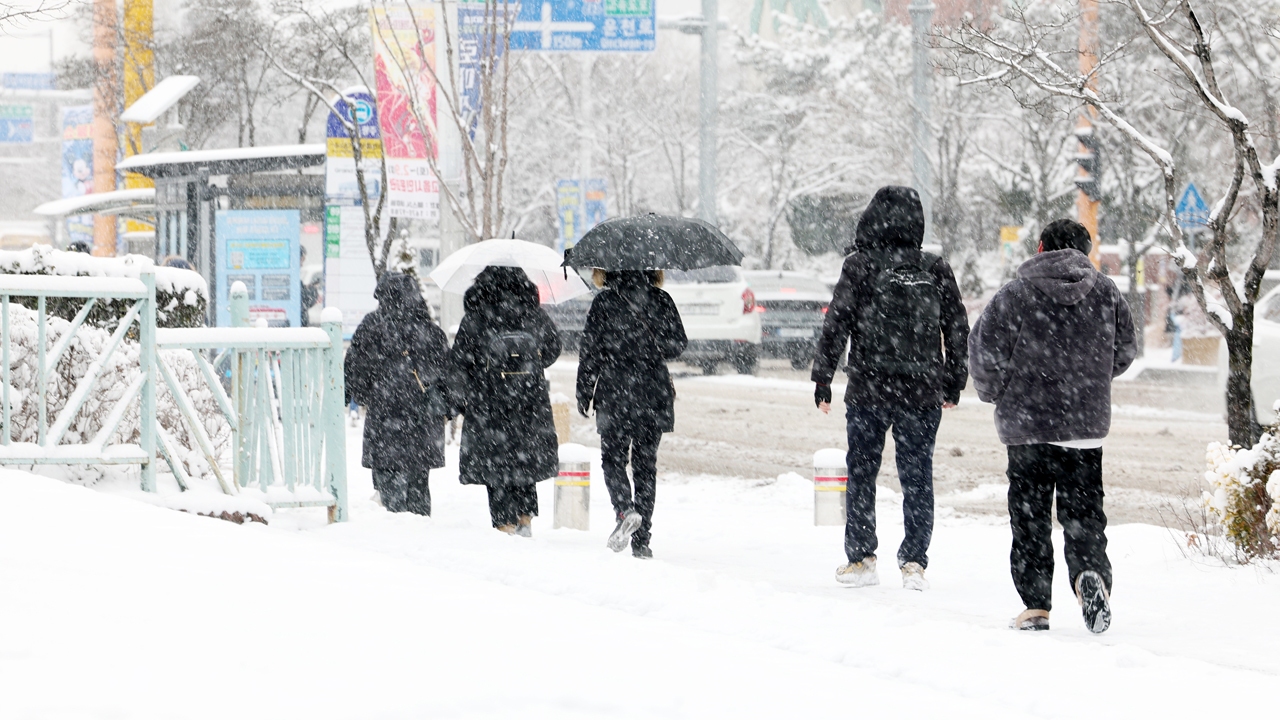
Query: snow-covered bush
182, 296
117, 374
1244, 495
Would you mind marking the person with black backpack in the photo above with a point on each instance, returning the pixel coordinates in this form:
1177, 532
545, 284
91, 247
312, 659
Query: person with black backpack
395, 368
632, 330
898, 310
496, 381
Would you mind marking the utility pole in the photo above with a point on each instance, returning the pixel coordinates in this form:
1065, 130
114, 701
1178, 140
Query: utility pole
921, 113
104, 126
1089, 175
708, 107
585, 128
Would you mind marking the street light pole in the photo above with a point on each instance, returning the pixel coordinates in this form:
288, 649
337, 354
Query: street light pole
922, 92
708, 111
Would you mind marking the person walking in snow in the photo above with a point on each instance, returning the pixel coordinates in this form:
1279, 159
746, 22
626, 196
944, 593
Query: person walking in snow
1045, 351
632, 329
898, 309
496, 381
395, 368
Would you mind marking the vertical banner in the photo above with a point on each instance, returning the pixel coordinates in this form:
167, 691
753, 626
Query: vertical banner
594, 208
260, 249
569, 212
404, 57
77, 167
349, 280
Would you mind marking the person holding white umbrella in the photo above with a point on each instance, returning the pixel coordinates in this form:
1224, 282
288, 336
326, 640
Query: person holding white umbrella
496, 378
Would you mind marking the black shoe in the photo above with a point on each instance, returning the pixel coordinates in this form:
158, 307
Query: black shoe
641, 551
1094, 601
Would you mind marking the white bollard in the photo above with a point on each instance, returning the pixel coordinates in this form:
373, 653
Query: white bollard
830, 475
573, 488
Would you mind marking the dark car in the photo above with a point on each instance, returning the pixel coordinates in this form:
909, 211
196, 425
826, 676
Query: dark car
792, 306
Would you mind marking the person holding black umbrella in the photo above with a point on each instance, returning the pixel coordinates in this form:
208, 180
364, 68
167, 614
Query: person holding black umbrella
496, 380
632, 329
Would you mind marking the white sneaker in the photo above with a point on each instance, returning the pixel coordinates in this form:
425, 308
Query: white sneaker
859, 574
627, 526
913, 577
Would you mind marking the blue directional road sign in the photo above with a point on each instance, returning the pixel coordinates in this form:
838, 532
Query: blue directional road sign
585, 25
1193, 213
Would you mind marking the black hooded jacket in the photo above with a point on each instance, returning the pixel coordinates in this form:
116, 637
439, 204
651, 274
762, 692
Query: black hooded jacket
395, 368
1047, 347
891, 230
509, 437
632, 329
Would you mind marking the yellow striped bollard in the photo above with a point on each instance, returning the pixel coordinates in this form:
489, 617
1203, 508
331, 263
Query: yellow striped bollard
573, 488
830, 475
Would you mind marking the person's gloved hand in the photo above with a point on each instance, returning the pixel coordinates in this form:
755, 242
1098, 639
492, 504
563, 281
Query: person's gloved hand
821, 394
584, 407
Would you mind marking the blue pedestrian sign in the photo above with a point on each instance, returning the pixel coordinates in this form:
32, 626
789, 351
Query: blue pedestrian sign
585, 25
1192, 212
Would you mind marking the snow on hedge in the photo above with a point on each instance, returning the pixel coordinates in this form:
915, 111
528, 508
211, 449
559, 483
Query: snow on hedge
117, 374
182, 296
1244, 495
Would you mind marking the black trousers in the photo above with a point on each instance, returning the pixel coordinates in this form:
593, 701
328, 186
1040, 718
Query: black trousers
639, 443
508, 502
403, 490
1035, 473
914, 433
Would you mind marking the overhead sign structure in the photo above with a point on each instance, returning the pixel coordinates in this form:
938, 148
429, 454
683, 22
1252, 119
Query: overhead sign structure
1192, 212
585, 25
17, 124
340, 164
260, 248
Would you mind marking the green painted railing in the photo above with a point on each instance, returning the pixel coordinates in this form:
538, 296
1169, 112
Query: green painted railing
285, 406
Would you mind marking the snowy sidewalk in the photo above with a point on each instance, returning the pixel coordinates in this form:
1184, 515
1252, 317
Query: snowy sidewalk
116, 609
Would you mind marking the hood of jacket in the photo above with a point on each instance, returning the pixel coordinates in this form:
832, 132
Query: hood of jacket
1066, 276
399, 293
893, 219
498, 289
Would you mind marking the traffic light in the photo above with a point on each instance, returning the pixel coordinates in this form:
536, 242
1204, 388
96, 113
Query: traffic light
1090, 161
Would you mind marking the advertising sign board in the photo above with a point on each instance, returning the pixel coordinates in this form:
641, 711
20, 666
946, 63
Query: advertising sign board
340, 164
77, 167
403, 61
260, 248
17, 123
349, 280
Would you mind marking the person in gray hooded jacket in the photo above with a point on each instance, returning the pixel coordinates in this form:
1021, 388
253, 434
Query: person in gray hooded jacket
1045, 351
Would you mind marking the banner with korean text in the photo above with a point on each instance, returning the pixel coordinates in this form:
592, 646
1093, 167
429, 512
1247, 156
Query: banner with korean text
403, 62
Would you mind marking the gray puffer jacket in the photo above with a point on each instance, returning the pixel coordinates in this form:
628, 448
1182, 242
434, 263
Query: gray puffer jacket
1047, 347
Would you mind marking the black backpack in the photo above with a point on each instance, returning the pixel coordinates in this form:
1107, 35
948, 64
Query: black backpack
901, 328
514, 354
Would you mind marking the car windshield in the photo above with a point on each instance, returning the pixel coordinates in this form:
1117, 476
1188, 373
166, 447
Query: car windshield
787, 284
713, 274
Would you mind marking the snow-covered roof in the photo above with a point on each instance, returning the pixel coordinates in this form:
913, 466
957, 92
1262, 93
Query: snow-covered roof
226, 161
160, 98
99, 202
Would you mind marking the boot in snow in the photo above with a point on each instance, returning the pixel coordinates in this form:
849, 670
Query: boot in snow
628, 523
859, 574
1095, 602
641, 551
524, 526
913, 577
508, 529
1033, 620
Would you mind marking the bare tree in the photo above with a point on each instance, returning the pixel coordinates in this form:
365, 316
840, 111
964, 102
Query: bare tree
1019, 54
13, 14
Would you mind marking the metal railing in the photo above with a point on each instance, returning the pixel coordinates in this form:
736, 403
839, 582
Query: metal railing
285, 407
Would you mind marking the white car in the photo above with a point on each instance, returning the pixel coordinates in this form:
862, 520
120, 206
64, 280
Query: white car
1266, 356
717, 308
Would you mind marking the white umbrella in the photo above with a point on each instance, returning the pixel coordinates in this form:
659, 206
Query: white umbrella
540, 263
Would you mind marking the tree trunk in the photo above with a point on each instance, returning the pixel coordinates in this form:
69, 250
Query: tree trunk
1137, 301
1241, 426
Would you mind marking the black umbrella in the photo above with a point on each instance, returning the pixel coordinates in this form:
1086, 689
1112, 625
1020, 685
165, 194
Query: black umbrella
653, 242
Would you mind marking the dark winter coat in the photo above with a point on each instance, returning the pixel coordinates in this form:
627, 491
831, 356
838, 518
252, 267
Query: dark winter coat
622, 360
395, 368
891, 231
1046, 348
509, 436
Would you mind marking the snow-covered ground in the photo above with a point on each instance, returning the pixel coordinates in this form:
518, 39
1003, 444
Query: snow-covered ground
114, 608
